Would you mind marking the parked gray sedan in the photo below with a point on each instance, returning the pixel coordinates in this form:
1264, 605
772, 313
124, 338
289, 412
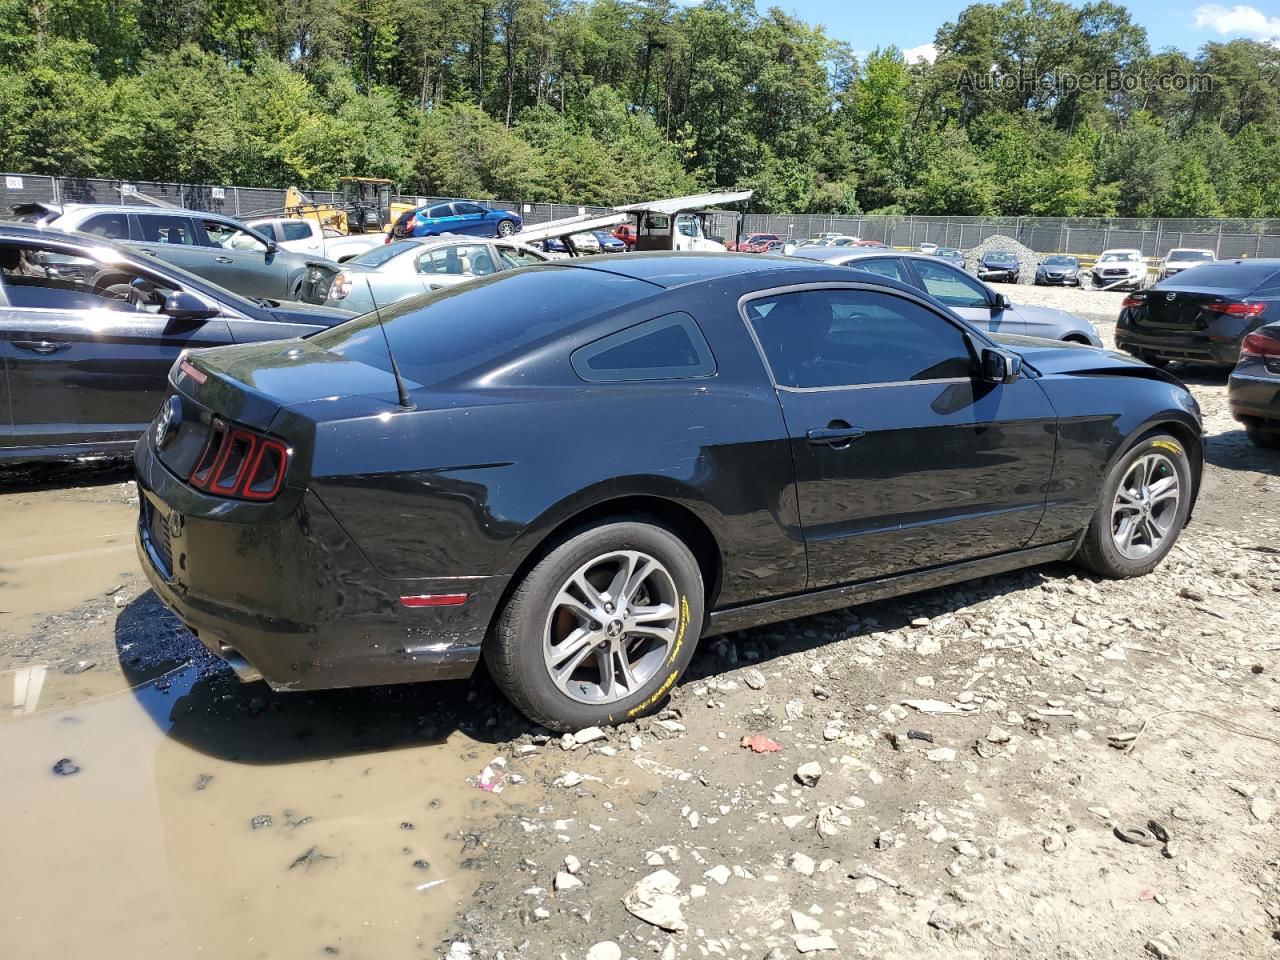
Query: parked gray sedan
405, 268
966, 295
222, 250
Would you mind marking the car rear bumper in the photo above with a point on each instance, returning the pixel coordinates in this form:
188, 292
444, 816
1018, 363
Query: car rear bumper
1187, 347
1254, 398
292, 598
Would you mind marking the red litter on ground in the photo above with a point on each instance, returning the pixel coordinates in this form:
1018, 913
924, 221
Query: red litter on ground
760, 744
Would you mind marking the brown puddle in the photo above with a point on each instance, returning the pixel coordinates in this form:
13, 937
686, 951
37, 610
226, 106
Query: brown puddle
149, 849
57, 552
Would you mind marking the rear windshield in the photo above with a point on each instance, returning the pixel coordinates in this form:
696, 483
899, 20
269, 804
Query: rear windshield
448, 333
948, 252
380, 255
1224, 275
1200, 255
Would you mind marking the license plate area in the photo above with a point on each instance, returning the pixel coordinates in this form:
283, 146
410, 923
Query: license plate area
154, 526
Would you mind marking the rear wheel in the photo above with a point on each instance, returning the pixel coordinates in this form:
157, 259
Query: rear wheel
1268, 438
601, 629
1142, 509
506, 228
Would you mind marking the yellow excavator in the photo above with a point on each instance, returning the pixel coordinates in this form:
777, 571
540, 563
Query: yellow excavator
366, 206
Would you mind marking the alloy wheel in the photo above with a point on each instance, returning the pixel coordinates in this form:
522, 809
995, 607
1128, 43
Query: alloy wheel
1145, 509
611, 627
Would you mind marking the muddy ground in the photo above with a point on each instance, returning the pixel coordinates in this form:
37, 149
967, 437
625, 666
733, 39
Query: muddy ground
196, 816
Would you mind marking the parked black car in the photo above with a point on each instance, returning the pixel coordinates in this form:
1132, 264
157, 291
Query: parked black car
999, 267
1253, 392
89, 330
1202, 314
1058, 270
597, 461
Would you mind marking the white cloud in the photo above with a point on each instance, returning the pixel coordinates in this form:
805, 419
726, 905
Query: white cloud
926, 52
1239, 20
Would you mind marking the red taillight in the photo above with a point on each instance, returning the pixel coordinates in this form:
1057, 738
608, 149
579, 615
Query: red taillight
239, 463
1236, 309
434, 600
1259, 344
1134, 300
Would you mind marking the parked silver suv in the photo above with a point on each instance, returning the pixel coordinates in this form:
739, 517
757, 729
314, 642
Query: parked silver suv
222, 250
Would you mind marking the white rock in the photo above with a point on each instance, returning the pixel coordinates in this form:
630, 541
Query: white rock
805, 923
588, 735
998, 735
865, 885
566, 881
1262, 809
809, 773
605, 950
754, 679
720, 874
791, 821
942, 755
802, 863
654, 900
815, 944
635, 743
572, 864
1054, 844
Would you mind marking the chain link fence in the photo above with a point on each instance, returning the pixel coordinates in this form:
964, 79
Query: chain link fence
1080, 236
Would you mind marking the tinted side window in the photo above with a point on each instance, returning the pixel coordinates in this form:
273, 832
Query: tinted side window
296, 230
832, 338
518, 256
468, 209
440, 210
41, 278
158, 228
113, 226
949, 285
666, 348
882, 266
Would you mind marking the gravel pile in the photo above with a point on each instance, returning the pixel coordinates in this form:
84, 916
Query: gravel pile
1028, 259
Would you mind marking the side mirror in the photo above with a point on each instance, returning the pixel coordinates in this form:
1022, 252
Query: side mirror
999, 366
272, 247
182, 305
1001, 302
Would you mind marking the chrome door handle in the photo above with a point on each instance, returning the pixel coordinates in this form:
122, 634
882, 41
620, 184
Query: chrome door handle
836, 434
223, 260
40, 346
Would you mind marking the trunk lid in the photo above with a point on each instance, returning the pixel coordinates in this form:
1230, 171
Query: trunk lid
1176, 309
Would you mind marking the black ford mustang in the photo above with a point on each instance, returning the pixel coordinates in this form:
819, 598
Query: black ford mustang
597, 462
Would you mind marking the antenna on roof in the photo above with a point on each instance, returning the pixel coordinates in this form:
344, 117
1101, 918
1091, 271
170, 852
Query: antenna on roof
402, 391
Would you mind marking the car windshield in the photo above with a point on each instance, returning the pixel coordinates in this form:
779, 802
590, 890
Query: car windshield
1116, 257
380, 255
445, 334
1198, 256
1061, 262
999, 257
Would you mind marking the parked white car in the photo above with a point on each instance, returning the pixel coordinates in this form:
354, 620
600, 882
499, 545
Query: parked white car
928, 247
585, 242
1120, 269
307, 236
1183, 258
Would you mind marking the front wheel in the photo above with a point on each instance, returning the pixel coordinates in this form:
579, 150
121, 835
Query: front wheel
601, 629
506, 228
1143, 507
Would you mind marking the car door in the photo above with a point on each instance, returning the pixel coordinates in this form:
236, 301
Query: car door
85, 366
903, 458
967, 297
173, 237
472, 219
243, 261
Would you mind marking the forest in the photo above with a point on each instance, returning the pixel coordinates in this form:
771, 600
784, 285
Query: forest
607, 101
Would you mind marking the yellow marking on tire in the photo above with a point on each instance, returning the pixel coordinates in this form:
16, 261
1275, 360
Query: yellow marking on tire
1167, 445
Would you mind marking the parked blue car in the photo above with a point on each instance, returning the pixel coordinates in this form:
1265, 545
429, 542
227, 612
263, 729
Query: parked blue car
608, 242
457, 216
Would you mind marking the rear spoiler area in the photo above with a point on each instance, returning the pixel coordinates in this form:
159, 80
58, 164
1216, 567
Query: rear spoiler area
36, 211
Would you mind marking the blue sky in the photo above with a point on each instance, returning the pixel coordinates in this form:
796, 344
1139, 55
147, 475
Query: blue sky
1186, 24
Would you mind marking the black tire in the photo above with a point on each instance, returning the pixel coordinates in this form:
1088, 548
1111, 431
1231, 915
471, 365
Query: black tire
514, 652
1099, 552
506, 228
1266, 438
1158, 362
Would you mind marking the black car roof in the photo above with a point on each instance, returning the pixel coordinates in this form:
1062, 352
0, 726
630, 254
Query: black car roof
667, 270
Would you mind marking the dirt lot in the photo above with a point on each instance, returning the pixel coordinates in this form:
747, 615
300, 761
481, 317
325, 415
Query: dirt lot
199, 817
